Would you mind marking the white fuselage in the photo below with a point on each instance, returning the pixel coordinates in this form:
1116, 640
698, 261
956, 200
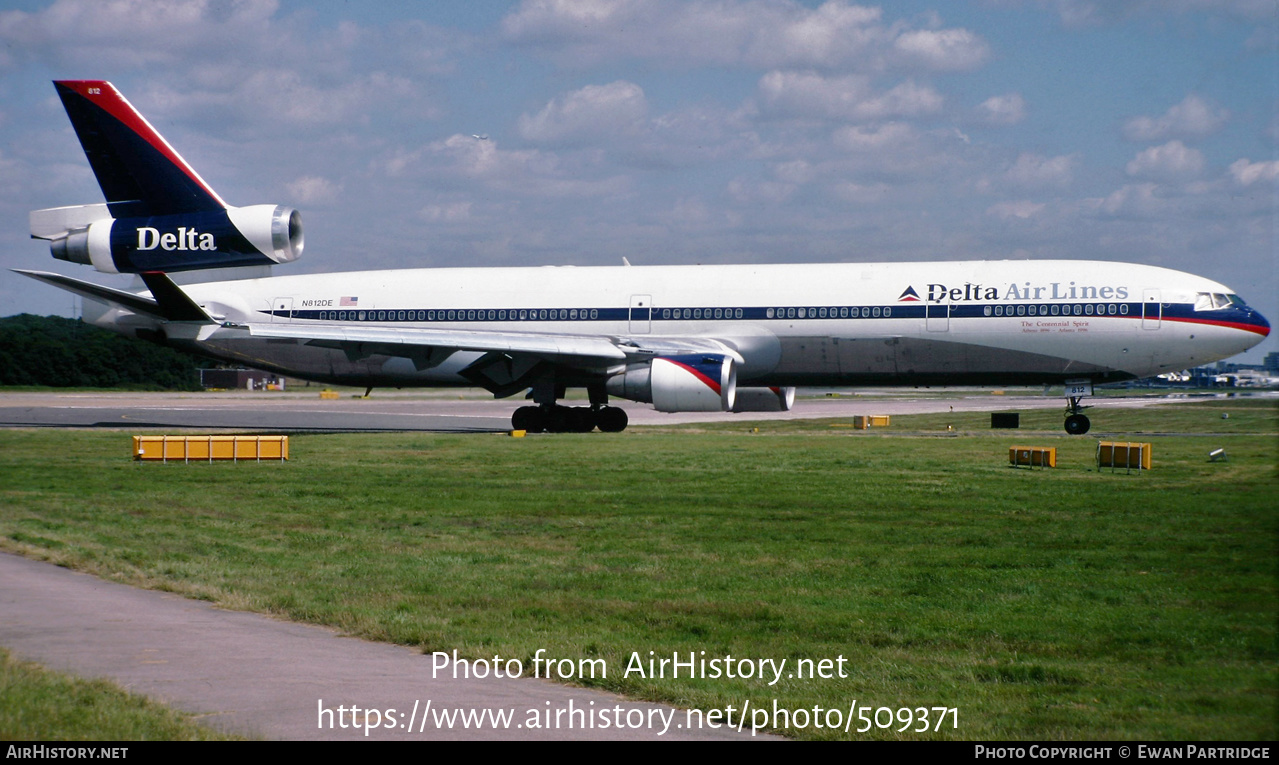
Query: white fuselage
977, 322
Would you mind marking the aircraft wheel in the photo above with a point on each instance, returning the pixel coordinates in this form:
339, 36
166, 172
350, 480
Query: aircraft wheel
557, 420
528, 418
581, 420
1077, 424
611, 419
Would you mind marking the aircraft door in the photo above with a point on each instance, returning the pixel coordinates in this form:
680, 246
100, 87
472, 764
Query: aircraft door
282, 310
1151, 309
641, 314
938, 316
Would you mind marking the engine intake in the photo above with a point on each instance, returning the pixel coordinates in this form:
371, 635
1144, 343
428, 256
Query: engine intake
691, 383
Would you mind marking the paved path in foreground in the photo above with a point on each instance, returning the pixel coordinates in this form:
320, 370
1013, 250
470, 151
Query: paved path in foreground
261, 677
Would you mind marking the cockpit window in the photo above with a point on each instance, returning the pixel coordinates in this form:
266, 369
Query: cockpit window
1215, 301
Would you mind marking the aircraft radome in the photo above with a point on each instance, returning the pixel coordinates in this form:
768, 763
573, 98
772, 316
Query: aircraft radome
685, 338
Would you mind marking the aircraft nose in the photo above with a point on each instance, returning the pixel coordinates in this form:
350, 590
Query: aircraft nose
1259, 322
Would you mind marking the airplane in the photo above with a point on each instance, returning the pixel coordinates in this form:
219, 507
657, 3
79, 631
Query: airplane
683, 338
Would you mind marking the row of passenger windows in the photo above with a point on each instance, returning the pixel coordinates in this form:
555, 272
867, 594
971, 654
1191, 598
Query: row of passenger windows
583, 314
703, 313
828, 313
1088, 309
529, 314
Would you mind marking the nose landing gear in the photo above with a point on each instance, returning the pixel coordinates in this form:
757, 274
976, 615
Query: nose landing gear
1077, 422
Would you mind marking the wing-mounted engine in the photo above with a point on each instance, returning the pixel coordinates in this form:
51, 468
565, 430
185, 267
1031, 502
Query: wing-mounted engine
684, 383
222, 238
764, 400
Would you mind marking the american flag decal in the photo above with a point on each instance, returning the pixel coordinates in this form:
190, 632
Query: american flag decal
346, 301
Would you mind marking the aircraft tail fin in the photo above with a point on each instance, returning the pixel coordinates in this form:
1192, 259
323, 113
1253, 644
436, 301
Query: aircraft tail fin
139, 172
160, 215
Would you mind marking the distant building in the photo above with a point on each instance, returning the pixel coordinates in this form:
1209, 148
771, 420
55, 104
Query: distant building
1271, 363
243, 379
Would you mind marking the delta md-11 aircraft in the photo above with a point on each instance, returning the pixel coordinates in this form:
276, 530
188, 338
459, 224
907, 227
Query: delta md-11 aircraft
684, 338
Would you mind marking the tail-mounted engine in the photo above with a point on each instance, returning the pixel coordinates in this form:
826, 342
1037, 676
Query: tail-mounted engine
234, 236
692, 383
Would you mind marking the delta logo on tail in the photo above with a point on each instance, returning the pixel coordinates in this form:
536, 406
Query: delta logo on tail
909, 296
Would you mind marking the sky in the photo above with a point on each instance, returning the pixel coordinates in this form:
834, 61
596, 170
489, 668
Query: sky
555, 132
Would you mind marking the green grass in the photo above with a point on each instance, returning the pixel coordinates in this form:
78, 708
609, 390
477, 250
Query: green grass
39, 705
1042, 604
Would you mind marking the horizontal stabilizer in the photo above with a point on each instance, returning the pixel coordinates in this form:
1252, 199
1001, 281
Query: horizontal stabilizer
166, 306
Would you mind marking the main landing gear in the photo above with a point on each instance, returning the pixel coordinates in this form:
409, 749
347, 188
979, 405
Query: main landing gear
549, 417
569, 419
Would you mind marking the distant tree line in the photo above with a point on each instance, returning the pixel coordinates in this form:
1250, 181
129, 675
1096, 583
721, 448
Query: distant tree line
67, 353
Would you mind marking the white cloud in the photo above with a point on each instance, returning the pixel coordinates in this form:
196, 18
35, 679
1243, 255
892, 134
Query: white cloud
754, 191
590, 114
1020, 209
944, 49
753, 33
1080, 13
809, 94
449, 212
1034, 171
1194, 117
465, 162
1139, 200
878, 138
1170, 162
313, 190
123, 34
1008, 109
1245, 172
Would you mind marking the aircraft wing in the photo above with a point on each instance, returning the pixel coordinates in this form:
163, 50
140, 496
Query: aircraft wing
406, 339
508, 361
